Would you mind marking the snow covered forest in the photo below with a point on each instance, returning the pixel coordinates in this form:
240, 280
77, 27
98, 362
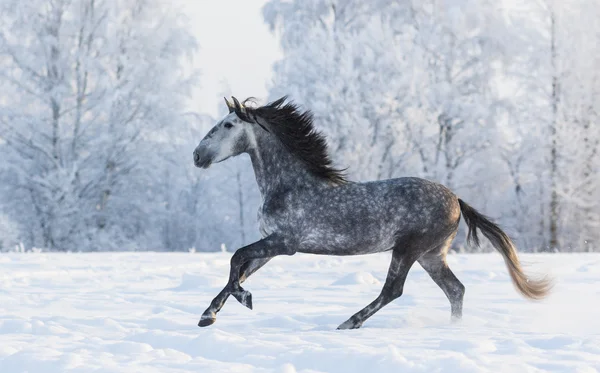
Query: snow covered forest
498, 100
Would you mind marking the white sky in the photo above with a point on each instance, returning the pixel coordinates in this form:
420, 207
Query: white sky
236, 50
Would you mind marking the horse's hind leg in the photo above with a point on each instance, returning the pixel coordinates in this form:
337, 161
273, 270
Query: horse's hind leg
392, 289
434, 263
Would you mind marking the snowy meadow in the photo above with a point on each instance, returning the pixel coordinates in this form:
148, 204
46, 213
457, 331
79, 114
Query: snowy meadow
138, 312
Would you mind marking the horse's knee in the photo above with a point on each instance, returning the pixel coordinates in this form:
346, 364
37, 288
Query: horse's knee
238, 258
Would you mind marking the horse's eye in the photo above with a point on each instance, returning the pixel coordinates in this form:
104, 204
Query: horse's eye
228, 125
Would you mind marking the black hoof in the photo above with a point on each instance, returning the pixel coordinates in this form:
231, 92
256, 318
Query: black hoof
244, 297
206, 322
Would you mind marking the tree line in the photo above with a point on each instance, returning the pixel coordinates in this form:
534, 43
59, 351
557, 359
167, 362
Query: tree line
498, 103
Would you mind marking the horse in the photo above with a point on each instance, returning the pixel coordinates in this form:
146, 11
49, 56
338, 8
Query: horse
309, 206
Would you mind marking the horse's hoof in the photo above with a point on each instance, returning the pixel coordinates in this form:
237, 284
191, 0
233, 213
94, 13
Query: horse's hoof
244, 297
349, 324
206, 320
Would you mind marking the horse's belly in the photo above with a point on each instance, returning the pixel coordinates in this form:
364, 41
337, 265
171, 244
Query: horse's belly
332, 243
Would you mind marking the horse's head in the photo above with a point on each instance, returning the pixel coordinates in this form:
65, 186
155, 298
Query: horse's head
231, 136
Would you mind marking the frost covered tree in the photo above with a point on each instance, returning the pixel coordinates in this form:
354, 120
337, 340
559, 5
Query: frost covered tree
576, 135
554, 105
9, 233
87, 90
499, 101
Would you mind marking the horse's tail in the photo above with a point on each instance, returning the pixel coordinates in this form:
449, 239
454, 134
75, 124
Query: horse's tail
532, 289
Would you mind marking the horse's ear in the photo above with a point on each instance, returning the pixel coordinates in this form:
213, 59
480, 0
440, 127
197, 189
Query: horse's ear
245, 115
238, 107
229, 105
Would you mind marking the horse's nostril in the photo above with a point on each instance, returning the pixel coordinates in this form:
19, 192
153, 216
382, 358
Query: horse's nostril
196, 157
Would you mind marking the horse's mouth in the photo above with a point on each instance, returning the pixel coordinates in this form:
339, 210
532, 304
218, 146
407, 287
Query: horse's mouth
203, 163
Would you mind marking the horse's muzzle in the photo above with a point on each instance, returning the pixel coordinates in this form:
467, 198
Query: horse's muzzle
202, 158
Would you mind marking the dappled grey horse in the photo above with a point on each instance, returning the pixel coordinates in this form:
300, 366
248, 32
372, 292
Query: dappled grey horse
309, 207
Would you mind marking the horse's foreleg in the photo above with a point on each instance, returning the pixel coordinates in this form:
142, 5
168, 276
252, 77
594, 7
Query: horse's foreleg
246, 271
244, 262
252, 266
392, 289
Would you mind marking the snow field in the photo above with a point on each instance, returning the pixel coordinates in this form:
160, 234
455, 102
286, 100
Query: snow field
137, 312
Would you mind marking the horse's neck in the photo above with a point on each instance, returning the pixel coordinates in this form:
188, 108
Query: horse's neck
276, 169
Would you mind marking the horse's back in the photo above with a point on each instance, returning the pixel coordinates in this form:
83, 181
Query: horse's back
415, 203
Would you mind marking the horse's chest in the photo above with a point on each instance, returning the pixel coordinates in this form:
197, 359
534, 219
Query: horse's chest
263, 226
273, 214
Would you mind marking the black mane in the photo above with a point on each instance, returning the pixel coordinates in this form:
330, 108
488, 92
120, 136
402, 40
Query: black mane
295, 129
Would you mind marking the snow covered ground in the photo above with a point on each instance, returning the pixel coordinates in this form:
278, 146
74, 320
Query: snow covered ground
137, 312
